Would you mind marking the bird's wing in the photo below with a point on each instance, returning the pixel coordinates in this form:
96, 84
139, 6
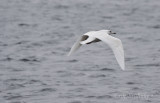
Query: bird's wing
116, 46
77, 44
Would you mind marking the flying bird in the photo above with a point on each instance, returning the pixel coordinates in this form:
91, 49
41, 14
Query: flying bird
102, 35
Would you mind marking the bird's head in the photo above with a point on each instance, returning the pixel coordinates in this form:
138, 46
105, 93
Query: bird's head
109, 32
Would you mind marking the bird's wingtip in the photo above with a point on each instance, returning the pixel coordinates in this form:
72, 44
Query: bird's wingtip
69, 54
123, 68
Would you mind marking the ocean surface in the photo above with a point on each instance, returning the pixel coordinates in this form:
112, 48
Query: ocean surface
36, 35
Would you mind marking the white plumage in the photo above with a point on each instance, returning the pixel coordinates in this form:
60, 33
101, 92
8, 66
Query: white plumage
103, 35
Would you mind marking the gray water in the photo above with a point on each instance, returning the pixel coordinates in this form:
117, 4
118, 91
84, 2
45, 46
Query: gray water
36, 35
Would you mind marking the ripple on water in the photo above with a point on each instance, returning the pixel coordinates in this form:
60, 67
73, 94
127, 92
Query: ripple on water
33, 81
11, 96
107, 69
130, 83
29, 59
15, 86
148, 65
97, 76
135, 88
100, 97
75, 101
60, 6
155, 27
7, 59
73, 60
47, 90
23, 25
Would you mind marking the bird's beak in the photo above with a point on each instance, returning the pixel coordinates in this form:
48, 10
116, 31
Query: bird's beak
113, 33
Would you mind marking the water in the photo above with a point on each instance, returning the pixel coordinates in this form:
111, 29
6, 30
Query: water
36, 35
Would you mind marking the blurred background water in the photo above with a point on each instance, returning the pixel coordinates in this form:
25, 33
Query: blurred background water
36, 35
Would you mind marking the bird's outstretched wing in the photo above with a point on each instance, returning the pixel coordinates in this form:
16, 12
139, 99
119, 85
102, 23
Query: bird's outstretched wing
116, 46
77, 44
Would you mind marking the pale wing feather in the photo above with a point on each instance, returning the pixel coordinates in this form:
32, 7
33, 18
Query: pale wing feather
119, 54
77, 45
116, 46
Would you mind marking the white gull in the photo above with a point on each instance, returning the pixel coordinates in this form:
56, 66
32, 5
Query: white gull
103, 35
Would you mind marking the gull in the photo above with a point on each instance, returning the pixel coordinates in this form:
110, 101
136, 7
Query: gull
102, 35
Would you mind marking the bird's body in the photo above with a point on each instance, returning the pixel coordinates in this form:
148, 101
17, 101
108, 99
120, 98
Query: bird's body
105, 36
